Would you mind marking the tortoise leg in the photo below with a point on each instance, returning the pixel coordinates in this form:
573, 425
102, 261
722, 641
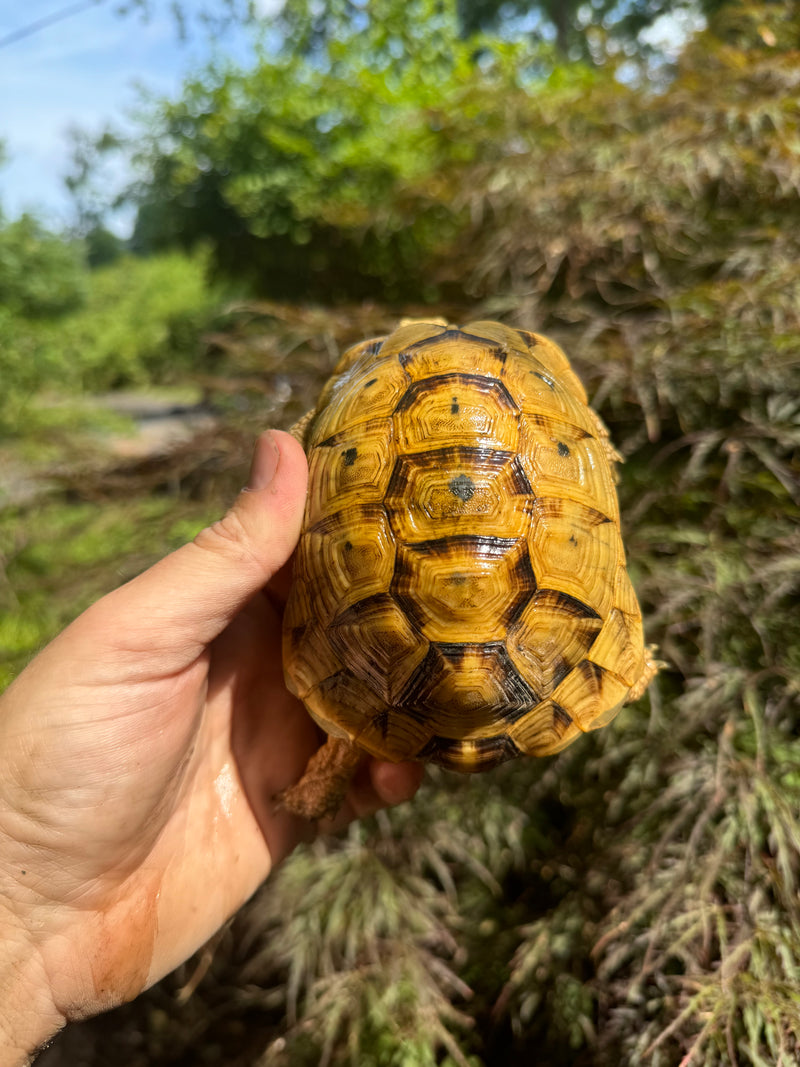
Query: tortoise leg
299, 430
320, 792
651, 668
605, 440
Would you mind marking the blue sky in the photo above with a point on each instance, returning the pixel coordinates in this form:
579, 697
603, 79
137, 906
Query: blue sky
82, 71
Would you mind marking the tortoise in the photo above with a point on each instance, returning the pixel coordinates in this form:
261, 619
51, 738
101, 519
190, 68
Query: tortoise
460, 593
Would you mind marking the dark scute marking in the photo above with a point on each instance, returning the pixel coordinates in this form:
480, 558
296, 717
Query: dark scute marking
595, 517
452, 335
361, 607
481, 754
546, 379
545, 423
350, 518
561, 668
480, 545
525, 582
553, 507
573, 540
483, 382
528, 338
349, 456
454, 456
381, 722
372, 348
561, 717
462, 486
454, 408
517, 696
370, 382
592, 672
455, 651
519, 479
569, 604
563, 450
348, 545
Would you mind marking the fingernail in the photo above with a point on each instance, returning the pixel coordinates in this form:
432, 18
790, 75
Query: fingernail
266, 457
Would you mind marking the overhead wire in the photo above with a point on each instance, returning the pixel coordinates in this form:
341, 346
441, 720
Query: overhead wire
47, 20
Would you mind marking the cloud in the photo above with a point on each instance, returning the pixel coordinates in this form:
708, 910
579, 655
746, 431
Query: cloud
80, 72
267, 8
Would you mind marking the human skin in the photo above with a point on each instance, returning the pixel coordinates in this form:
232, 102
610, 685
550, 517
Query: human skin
140, 755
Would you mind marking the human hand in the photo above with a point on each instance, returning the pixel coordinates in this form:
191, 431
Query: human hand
140, 753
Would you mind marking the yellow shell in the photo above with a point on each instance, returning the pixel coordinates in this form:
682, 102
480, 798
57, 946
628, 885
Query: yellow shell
460, 590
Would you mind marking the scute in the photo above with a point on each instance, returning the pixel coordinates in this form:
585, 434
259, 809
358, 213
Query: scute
463, 589
355, 551
460, 589
456, 409
352, 467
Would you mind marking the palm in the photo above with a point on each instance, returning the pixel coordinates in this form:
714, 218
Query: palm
140, 754
151, 812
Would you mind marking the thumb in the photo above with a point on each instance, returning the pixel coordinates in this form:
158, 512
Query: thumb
189, 597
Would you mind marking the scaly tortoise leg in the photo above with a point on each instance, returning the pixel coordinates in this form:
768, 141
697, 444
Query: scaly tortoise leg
605, 440
651, 668
299, 430
321, 791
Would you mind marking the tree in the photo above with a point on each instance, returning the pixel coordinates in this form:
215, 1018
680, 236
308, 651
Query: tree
41, 274
294, 170
580, 30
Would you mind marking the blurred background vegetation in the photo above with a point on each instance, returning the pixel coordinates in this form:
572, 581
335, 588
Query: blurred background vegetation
623, 175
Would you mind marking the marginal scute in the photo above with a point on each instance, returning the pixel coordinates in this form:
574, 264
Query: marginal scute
344, 705
590, 695
460, 591
314, 656
619, 646
471, 755
545, 731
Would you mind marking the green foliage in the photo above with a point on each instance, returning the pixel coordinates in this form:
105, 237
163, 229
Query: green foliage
327, 170
55, 560
294, 171
139, 323
41, 275
580, 31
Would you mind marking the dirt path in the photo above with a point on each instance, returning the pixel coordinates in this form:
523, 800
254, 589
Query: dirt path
150, 426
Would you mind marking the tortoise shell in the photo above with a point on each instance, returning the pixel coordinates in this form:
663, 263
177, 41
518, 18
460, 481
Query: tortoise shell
460, 592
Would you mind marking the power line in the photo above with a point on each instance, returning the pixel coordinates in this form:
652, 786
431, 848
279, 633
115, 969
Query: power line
48, 20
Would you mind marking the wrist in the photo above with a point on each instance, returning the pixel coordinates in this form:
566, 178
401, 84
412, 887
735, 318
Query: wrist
28, 1016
